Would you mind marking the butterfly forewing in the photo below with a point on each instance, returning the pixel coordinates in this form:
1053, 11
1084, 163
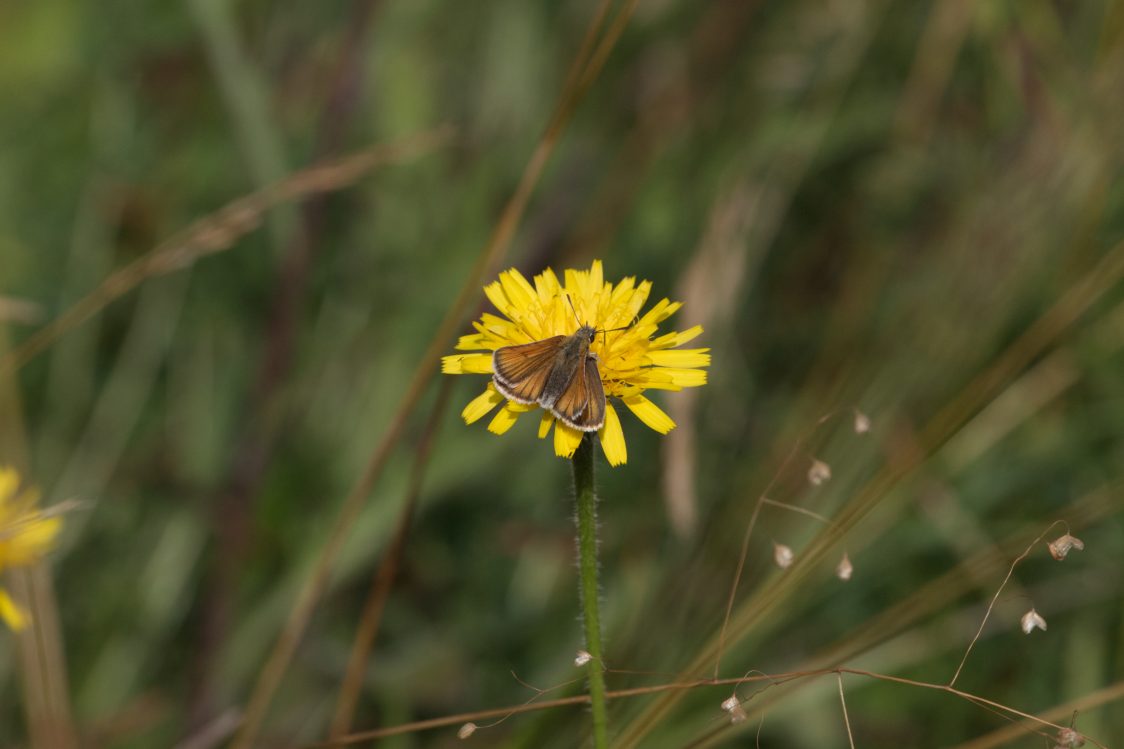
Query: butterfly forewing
520, 372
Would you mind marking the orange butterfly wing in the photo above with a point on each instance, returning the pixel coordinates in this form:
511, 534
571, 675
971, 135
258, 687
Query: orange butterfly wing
582, 403
520, 372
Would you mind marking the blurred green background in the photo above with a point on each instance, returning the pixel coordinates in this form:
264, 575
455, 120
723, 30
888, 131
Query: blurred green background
909, 208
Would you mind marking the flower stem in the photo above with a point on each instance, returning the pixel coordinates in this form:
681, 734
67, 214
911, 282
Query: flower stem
586, 498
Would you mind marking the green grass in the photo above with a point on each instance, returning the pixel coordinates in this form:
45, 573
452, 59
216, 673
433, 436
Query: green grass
912, 210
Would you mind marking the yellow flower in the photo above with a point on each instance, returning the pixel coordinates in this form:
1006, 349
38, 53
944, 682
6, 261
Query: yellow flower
629, 359
26, 534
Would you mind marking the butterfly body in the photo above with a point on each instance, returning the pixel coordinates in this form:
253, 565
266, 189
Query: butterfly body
558, 373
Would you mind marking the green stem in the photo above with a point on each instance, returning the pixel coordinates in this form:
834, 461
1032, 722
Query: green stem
586, 498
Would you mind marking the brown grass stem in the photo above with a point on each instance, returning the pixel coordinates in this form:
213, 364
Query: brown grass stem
218, 232
681, 686
995, 598
295, 625
843, 704
358, 661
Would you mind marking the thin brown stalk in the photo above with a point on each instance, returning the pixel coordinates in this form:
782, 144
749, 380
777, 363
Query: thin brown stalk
250, 456
359, 661
989, 384
798, 510
40, 649
990, 606
218, 232
1103, 696
846, 718
761, 500
681, 686
293, 630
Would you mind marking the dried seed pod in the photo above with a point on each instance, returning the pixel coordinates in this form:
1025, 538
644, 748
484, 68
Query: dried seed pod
737, 715
466, 730
783, 556
844, 569
819, 473
582, 658
1069, 739
862, 422
730, 704
1031, 620
1062, 545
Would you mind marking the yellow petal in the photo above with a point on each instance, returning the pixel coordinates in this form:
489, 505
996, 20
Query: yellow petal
10, 612
612, 438
566, 440
467, 364
475, 342
684, 358
649, 413
633, 306
495, 294
9, 482
504, 419
520, 294
544, 424
547, 286
671, 340
670, 378
596, 275
687, 378
32, 539
481, 405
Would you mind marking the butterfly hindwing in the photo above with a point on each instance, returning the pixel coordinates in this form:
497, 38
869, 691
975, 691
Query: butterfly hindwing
582, 403
593, 417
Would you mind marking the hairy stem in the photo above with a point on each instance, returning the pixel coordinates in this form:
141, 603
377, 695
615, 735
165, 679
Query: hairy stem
586, 498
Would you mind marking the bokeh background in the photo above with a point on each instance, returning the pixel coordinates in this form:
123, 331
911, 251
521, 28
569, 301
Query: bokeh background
912, 209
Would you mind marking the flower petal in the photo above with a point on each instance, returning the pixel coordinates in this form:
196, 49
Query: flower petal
544, 423
519, 292
467, 364
506, 417
684, 358
547, 286
495, 294
9, 482
670, 378
671, 340
475, 342
10, 612
649, 413
481, 405
566, 440
612, 438
32, 539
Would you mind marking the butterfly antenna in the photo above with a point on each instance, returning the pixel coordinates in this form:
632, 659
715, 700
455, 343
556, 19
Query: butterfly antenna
575, 309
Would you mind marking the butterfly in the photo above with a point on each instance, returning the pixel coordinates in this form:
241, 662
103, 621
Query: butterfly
559, 373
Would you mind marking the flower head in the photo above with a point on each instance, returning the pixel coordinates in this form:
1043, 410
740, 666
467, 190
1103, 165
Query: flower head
629, 359
26, 534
